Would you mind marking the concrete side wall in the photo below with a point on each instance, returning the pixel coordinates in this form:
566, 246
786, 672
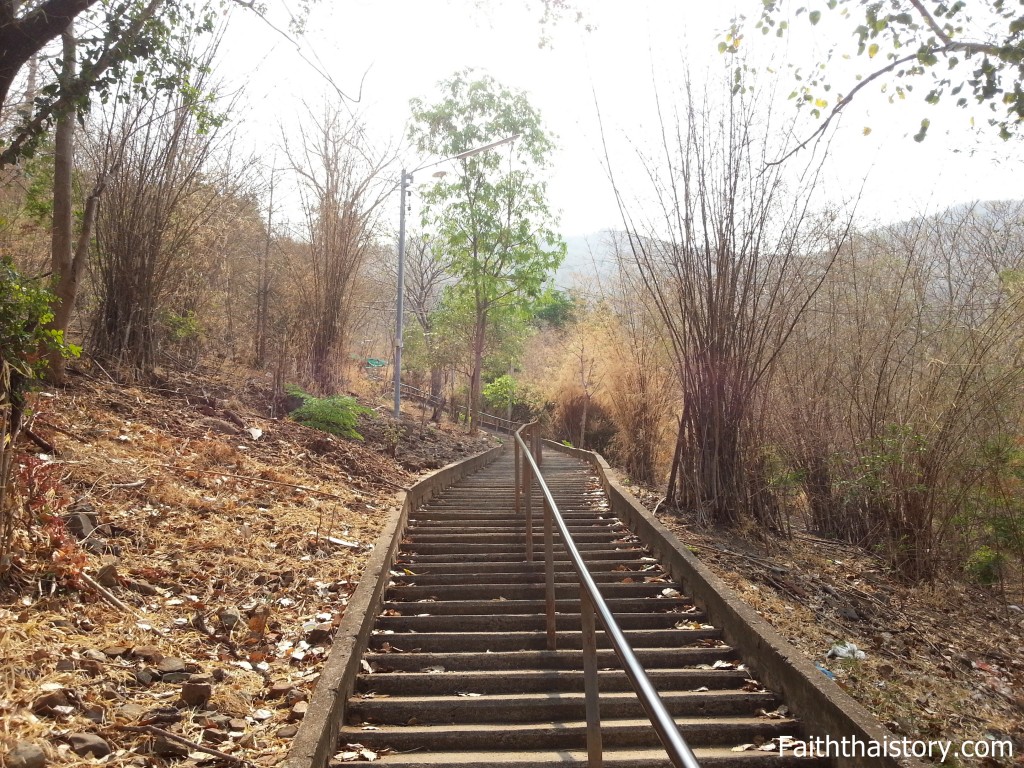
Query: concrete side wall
316, 741
822, 706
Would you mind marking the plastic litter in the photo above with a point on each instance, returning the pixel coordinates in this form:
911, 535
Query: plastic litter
845, 650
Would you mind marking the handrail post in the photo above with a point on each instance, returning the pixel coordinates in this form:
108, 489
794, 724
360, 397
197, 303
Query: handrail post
516, 479
595, 758
527, 481
535, 442
549, 573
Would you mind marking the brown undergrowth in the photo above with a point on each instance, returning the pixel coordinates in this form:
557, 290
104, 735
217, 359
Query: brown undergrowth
943, 660
188, 562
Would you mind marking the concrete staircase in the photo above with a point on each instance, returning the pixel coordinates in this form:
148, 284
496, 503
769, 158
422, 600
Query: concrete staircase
457, 672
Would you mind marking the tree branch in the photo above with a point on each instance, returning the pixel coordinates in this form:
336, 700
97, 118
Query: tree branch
80, 87
930, 20
839, 106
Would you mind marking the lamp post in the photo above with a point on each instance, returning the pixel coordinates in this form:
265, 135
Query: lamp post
400, 303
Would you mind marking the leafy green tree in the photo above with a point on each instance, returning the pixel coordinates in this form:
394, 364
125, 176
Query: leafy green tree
971, 51
492, 218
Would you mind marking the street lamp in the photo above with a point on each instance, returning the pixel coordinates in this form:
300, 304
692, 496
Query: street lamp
406, 181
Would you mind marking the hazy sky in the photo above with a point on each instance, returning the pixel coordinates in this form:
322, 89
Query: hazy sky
402, 48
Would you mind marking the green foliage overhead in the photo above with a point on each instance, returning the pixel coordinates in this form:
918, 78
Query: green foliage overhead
336, 414
970, 51
125, 48
492, 216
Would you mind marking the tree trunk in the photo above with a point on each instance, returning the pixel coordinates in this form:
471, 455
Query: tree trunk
263, 288
436, 393
475, 387
583, 421
66, 261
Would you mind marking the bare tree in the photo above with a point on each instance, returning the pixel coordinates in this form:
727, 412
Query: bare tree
730, 263
344, 187
913, 367
161, 189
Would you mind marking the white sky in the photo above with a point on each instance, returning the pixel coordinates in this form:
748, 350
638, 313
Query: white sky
404, 47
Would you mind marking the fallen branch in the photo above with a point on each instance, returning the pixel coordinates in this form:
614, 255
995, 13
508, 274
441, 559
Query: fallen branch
152, 730
107, 594
41, 442
55, 428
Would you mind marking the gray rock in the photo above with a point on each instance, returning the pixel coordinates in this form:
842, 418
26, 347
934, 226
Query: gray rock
80, 524
85, 744
167, 748
49, 702
25, 754
94, 712
196, 694
131, 711
107, 575
170, 665
287, 731
142, 587
229, 617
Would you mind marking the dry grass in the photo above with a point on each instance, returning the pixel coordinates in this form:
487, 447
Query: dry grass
944, 660
195, 537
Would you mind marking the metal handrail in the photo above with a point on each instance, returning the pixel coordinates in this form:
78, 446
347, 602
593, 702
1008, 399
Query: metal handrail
496, 422
592, 603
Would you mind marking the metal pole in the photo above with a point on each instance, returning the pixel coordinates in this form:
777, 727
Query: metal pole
549, 573
399, 305
595, 757
515, 448
528, 501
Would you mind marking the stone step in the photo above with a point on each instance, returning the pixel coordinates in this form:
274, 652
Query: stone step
682, 609
564, 575
504, 622
542, 660
563, 589
653, 757
519, 547
533, 641
501, 541
538, 681
697, 731
408, 559
630, 565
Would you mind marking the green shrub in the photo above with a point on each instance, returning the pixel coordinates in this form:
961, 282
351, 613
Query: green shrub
336, 414
24, 313
984, 566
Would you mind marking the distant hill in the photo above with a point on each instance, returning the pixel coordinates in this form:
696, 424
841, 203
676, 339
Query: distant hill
587, 256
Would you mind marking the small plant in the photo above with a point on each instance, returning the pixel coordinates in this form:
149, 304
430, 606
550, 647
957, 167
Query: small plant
182, 327
337, 414
24, 341
984, 566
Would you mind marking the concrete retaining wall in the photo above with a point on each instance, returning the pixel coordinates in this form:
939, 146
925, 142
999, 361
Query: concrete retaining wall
822, 706
316, 741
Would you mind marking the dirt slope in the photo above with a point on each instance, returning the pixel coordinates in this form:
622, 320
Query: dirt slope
194, 618
942, 661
